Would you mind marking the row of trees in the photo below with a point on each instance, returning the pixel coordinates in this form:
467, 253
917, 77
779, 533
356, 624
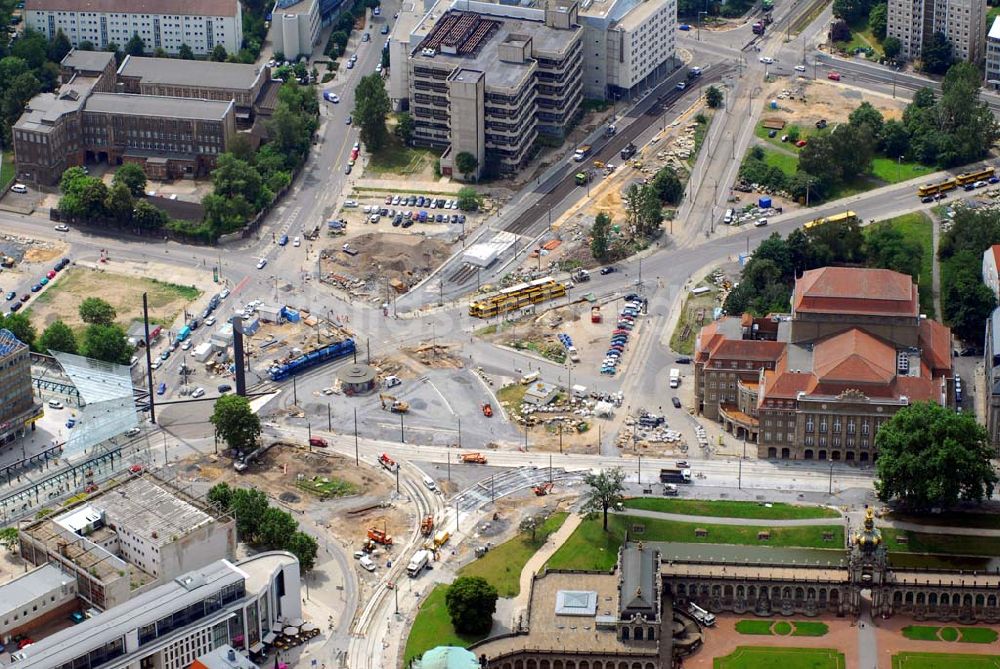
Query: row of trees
965, 299
87, 198
767, 280
102, 338
263, 526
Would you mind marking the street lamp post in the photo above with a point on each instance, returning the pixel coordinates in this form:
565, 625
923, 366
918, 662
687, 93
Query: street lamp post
700, 14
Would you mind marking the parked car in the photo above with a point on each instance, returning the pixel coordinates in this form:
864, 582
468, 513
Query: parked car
676, 402
224, 388
283, 240
55, 404
198, 392
11, 295
162, 388
62, 228
261, 263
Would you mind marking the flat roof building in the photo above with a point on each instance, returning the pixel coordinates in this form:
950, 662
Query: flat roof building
41, 595
295, 27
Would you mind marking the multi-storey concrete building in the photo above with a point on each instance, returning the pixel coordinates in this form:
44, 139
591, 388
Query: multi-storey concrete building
95, 117
818, 383
162, 24
127, 540
171, 625
993, 55
18, 410
488, 84
963, 22
295, 27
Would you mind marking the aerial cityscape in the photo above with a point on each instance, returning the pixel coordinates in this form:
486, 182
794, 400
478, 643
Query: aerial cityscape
495, 334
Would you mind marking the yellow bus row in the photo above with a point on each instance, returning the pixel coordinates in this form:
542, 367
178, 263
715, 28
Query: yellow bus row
955, 182
517, 297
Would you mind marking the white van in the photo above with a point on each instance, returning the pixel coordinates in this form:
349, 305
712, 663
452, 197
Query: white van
19, 188
728, 218
367, 563
429, 482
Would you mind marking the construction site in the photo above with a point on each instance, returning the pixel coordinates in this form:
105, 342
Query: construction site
379, 266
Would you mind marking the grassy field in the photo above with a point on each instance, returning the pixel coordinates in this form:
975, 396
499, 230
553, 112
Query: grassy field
325, 487
944, 661
862, 37
6, 168
963, 634
784, 162
918, 227
892, 172
397, 158
62, 298
682, 340
432, 627
731, 508
512, 394
766, 657
699, 138
941, 544
502, 566
781, 628
589, 547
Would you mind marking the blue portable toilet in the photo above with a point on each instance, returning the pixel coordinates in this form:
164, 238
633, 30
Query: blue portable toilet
774, 104
764, 202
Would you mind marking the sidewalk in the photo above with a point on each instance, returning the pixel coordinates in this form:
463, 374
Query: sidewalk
538, 560
712, 520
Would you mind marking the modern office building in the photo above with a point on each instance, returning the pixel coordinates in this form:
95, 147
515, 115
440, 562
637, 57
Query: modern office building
129, 539
963, 22
819, 382
18, 409
93, 117
993, 55
171, 625
162, 24
295, 27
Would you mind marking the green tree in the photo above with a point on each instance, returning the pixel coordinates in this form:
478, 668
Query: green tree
94, 310
147, 217
59, 46
221, 495
235, 423
133, 177
937, 56
877, 19
650, 212
106, 342
967, 125
471, 603
219, 54
466, 163
32, 47
120, 204
605, 490
20, 326
58, 337
371, 107
667, 186
185, 52
895, 140
886, 247
93, 197
713, 97
8, 538
599, 233
965, 300
275, 527
135, 46
529, 524
850, 10
248, 506
304, 547
866, 114
930, 456
85, 45
404, 126
891, 46
469, 199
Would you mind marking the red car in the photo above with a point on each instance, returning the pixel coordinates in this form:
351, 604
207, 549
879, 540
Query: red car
51, 274
354, 156
91, 487
135, 469
800, 143
833, 76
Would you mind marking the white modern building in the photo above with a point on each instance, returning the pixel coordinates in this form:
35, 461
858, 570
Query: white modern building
963, 22
295, 27
172, 625
991, 268
43, 594
993, 55
162, 24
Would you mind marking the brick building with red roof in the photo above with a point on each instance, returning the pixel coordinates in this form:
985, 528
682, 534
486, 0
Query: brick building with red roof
819, 382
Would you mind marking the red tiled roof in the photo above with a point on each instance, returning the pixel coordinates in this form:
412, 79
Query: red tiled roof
935, 344
785, 385
854, 356
852, 290
747, 349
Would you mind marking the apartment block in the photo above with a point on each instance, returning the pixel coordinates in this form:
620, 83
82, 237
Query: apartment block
993, 55
162, 24
127, 540
18, 409
818, 383
295, 27
223, 605
963, 22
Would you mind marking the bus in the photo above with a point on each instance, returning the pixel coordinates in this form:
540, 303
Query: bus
517, 297
845, 217
934, 189
701, 615
978, 175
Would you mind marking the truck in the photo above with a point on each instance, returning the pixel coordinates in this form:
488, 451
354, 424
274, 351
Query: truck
581, 275
184, 333
579, 392
675, 475
581, 153
475, 458
387, 462
701, 615
628, 151
420, 559
758, 28
581, 178
675, 377
441, 538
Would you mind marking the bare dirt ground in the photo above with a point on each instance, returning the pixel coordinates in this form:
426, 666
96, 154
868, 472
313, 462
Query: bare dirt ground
815, 100
123, 292
385, 257
723, 639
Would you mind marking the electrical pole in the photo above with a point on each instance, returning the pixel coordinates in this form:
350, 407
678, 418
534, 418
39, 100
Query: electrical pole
402, 437
329, 418
357, 457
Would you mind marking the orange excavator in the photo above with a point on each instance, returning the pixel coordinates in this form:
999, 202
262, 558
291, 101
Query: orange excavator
543, 490
488, 410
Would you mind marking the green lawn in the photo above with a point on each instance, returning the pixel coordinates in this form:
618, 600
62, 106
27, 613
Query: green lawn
502, 566
781, 627
699, 137
919, 227
6, 168
731, 508
682, 340
784, 162
952, 519
807, 628
977, 635
944, 661
397, 158
862, 37
432, 627
767, 657
942, 544
893, 172
963, 634
921, 632
760, 627
590, 548
325, 487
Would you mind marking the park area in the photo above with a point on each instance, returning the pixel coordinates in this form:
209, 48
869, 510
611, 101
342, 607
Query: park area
950, 634
432, 627
731, 508
944, 661
766, 657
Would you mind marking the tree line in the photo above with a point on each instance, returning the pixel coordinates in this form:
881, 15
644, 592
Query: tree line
88, 199
768, 278
101, 339
965, 300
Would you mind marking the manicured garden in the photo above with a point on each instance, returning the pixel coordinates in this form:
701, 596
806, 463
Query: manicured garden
768, 657
962, 634
781, 627
944, 661
731, 508
432, 627
503, 565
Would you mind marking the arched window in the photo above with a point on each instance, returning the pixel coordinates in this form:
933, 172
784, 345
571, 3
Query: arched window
822, 594
921, 598
909, 597
624, 633
834, 595
681, 589
740, 591
932, 599
799, 593
775, 592
638, 634
651, 633
945, 599
716, 590
811, 593
980, 600
967, 600
752, 592
727, 591
897, 597
786, 593
991, 600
